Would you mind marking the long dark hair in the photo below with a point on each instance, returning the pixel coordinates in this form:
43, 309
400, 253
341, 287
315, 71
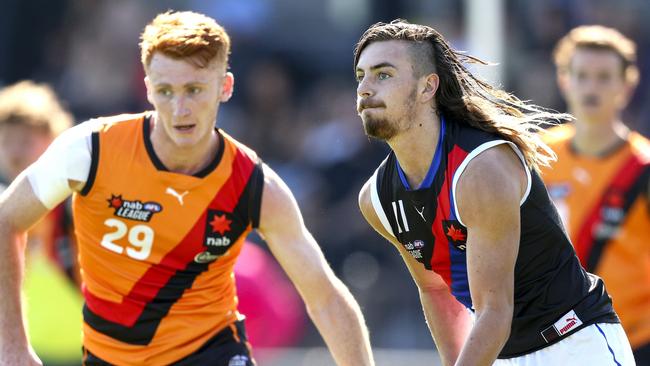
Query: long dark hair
464, 98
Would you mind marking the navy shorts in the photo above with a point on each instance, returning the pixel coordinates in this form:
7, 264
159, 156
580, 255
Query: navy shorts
229, 347
642, 355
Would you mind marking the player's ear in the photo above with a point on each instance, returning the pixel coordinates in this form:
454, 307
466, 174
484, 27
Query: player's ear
227, 86
631, 81
147, 84
428, 87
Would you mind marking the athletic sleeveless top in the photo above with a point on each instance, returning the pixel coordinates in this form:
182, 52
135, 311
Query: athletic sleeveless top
157, 248
553, 295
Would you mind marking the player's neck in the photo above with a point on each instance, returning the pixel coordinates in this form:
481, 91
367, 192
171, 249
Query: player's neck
596, 138
185, 160
415, 148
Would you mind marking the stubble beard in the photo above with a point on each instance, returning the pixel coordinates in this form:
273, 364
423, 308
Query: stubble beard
383, 128
379, 128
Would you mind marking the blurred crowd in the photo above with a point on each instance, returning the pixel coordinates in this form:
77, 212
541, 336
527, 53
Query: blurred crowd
294, 100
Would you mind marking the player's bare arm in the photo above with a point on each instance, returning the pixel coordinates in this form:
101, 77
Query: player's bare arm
329, 303
448, 319
28, 199
19, 210
488, 194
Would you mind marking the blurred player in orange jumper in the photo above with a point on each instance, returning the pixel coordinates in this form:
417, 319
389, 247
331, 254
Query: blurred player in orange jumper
600, 180
31, 117
162, 202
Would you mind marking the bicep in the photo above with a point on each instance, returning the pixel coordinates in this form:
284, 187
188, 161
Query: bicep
20, 208
488, 195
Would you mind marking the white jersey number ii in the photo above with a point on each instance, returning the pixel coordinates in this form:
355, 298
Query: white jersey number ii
398, 210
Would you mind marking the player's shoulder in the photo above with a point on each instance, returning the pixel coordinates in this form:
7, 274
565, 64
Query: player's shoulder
559, 134
105, 123
500, 161
640, 146
238, 145
364, 194
372, 182
80, 135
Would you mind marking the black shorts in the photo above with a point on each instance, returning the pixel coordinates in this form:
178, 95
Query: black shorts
642, 355
229, 347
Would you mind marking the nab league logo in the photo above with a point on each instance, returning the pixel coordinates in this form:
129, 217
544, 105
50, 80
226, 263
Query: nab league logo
456, 234
415, 248
217, 238
133, 210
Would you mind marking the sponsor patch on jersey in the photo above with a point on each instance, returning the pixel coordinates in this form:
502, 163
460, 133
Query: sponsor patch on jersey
456, 234
564, 325
206, 257
222, 230
133, 209
415, 248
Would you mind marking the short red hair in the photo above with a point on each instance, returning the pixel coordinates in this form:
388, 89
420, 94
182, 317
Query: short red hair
187, 35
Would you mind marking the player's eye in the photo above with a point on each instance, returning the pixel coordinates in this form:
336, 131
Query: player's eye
165, 92
383, 76
604, 77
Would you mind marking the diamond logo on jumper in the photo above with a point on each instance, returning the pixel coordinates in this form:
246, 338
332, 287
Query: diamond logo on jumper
179, 197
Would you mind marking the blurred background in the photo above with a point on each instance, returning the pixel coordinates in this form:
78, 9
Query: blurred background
294, 103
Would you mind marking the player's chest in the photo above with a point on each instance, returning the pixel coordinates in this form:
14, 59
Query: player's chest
149, 221
426, 226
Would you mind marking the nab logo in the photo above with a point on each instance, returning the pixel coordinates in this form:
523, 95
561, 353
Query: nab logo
217, 242
456, 234
219, 235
